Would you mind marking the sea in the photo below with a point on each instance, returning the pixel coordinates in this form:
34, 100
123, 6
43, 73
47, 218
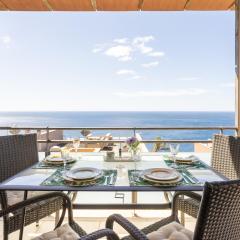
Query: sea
126, 119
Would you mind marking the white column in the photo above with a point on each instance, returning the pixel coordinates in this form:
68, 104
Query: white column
237, 68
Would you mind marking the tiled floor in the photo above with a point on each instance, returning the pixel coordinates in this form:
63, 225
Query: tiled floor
96, 220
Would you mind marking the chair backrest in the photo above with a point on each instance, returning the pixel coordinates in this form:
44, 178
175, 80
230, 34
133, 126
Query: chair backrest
17, 152
219, 214
226, 155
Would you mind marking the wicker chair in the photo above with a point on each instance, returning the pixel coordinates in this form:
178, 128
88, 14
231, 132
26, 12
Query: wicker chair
225, 159
17, 153
19, 207
218, 219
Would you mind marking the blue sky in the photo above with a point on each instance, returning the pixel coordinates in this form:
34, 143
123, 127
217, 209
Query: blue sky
139, 61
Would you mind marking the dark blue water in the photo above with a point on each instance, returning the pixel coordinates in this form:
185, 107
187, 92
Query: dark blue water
126, 119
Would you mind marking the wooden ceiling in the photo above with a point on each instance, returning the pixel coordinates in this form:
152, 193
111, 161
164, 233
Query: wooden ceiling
116, 5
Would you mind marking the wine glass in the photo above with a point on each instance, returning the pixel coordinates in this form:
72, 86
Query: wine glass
174, 148
135, 158
76, 144
65, 156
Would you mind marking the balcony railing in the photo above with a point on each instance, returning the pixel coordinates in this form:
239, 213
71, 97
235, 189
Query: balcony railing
133, 129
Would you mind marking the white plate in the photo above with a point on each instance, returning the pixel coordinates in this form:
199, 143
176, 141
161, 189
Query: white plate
68, 179
161, 174
53, 159
58, 161
84, 173
87, 182
169, 182
188, 159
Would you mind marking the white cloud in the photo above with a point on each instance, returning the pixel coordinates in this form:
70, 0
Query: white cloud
140, 40
228, 85
151, 64
121, 52
124, 48
139, 43
125, 72
121, 40
100, 47
145, 49
168, 93
156, 54
136, 77
124, 59
96, 50
6, 40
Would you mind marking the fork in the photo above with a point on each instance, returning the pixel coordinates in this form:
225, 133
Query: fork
106, 180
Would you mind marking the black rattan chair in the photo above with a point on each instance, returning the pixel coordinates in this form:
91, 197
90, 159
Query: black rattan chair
18, 152
29, 203
218, 219
225, 159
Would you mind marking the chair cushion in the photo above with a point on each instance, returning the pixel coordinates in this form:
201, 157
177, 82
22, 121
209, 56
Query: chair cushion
171, 231
65, 232
14, 197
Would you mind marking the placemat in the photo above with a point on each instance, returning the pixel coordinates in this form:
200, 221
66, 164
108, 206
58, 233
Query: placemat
136, 180
56, 179
197, 164
43, 165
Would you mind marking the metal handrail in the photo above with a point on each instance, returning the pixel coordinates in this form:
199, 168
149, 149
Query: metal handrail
123, 141
134, 129
119, 128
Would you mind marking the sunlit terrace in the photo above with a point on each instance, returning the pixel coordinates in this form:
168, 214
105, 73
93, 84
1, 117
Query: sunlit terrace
121, 182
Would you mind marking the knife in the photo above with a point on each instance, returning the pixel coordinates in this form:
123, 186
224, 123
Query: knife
111, 179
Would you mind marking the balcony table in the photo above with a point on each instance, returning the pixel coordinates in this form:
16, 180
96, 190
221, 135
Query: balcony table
31, 179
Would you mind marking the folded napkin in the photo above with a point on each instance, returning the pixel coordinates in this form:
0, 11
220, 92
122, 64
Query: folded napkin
205, 175
189, 158
34, 179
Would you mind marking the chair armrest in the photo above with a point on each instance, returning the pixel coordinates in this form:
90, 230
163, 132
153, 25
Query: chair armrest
128, 226
193, 195
110, 234
36, 199
176, 195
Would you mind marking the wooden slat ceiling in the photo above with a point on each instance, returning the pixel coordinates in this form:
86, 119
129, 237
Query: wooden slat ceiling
163, 5
25, 5
2, 6
116, 5
209, 4
71, 5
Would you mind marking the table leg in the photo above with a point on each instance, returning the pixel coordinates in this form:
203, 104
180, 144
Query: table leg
134, 200
23, 217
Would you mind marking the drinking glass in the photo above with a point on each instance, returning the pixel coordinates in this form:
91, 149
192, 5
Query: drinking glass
135, 157
65, 156
76, 144
174, 148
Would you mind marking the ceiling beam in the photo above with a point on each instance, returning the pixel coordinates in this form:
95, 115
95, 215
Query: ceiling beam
186, 4
140, 4
232, 5
4, 5
48, 5
94, 4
